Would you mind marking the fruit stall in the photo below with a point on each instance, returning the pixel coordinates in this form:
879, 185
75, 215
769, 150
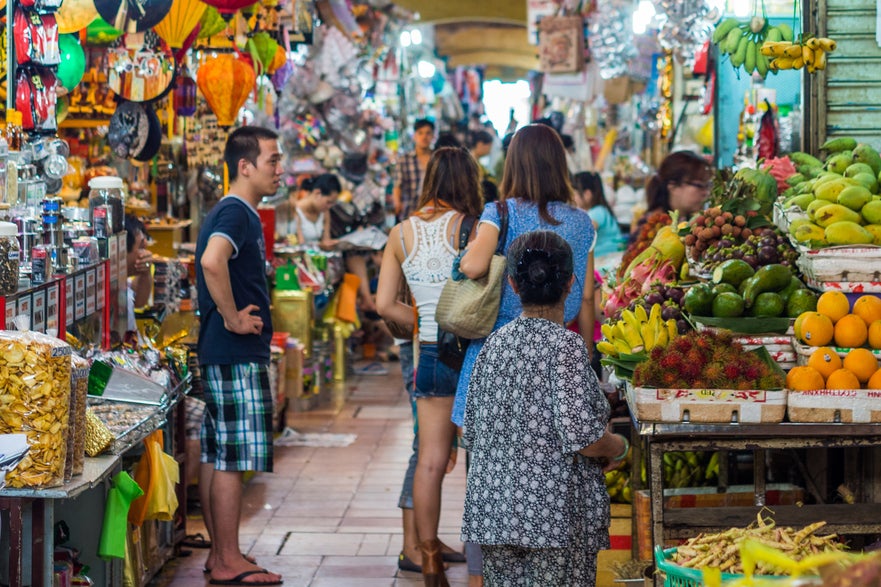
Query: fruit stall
746, 341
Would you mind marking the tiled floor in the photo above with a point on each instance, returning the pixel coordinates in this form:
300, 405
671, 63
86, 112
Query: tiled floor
328, 517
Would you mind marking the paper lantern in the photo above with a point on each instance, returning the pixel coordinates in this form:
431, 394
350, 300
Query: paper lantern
263, 49
212, 23
185, 95
73, 61
227, 8
180, 21
226, 80
278, 60
75, 15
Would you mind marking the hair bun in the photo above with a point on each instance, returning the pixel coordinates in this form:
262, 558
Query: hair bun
538, 271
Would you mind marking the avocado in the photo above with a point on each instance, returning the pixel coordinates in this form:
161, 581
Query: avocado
732, 271
698, 300
772, 277
727, 305
801, 301
768, 304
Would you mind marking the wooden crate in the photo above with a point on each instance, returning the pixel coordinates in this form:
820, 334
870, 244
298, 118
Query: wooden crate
621, 539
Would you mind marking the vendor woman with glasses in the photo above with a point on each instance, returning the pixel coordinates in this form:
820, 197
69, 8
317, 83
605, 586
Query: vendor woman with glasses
682, 184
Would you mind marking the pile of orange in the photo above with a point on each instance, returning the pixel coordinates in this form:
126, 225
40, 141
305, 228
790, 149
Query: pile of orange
826, 370
835, 322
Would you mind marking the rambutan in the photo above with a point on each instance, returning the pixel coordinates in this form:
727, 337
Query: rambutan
732, 372
691, 370
681, 344
744, 384
693, 357
752, 372
657, 353
714, 373
670, 360
669, 379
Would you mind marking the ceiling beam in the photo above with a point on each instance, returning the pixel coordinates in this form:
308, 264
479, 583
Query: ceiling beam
441, 11
490, 57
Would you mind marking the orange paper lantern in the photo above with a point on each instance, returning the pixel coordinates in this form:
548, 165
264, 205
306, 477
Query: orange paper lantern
180, 21
226, 80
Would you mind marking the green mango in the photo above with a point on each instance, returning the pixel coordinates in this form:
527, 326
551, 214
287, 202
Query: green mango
857, 168
834, 213
875, 231
854, 197
845, 232
840, 162
814, 206
871, 212
869, 156
801, 201
809, 233
829, 191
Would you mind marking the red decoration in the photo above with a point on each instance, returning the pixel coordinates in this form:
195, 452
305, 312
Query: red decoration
227, 8
226, 80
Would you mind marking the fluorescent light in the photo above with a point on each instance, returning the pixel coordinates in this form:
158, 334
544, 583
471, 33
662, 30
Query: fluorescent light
742, 9
426, 69
405, 39
416, 36
643, 16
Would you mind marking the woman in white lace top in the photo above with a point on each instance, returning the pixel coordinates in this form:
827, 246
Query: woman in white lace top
422, 249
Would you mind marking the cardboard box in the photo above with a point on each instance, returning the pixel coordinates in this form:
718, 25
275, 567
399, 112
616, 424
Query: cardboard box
704, 497
621, 539
707, 405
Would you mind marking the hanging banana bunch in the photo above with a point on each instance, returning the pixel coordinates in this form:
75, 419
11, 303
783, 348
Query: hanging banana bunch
742, 40
810, 53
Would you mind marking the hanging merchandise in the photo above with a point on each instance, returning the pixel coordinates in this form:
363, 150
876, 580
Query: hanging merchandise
181, 52
226, 79
742, 41
36, 38
41, 5
211, 23
262, 48
130, 129
180, 21
769, 132
809, 53
35, 98
99, 32
129, 16
611, 38
73, 61
140, 71
75, 15
119, 499
185, 94
561, 44
685, 26
227, 8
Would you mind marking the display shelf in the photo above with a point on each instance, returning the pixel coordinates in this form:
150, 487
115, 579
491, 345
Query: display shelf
84, 122
95, 471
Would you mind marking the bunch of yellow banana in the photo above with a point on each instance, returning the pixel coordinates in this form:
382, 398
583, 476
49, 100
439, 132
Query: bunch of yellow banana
810, 53
741, 40
618, 486
636, 331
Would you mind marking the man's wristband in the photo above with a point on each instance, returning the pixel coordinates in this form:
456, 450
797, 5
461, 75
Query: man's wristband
623, 455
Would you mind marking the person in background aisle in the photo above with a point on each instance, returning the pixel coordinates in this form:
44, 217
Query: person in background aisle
311, 219
422, 249
681, 184
590, 196
536, 189
410, 170
234, 338
481, 144
534, 375
138, 261
499, 169
446, 138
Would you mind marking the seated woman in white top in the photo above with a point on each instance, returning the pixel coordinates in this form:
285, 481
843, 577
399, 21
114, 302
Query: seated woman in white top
310, 221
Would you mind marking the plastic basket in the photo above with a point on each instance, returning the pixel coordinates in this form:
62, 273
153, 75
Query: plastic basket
676, 576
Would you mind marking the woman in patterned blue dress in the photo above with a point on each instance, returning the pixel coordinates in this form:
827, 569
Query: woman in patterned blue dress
536, 499
535, 186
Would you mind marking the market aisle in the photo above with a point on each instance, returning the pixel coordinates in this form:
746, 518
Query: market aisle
328, 517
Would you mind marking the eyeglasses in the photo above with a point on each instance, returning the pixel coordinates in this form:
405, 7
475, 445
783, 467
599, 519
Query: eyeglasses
700, 185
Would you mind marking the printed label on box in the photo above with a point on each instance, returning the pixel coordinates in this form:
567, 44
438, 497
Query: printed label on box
99, 293
38, 323
10, 314
52, 307
24, 306
90, 291
79, 296
68, 301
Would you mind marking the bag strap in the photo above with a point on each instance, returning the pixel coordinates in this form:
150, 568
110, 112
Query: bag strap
465, 229
502, 207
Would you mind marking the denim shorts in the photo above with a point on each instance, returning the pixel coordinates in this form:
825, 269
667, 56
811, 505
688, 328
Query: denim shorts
433, 378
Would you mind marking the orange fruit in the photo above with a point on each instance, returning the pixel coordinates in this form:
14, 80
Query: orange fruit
833, 304
875, 334
874, 381
816, 329
867, 307
825, 361
804, 378
851, 331
842, 379
862, 363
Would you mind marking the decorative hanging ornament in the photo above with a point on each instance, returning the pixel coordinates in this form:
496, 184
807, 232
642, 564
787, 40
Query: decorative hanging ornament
75, 15
611, 38
180, 53
180, 21
226, 80
279, 59
133, 15
212, 23
185, 95
227, 8
263, 49
73, 61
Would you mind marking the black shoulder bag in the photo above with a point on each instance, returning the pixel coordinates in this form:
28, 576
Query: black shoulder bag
451, 348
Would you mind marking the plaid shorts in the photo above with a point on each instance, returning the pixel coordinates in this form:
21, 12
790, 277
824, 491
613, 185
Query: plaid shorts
237, 427
195, 410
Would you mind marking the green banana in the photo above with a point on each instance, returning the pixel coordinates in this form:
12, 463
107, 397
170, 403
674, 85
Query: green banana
731, 41
724, 28
785, 32
775, 35
839, 144
762, 64
740, 55
749, 62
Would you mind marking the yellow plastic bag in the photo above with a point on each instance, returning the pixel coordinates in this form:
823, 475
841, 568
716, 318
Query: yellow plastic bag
157, 474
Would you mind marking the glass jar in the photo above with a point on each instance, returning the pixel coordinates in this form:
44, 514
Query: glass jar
9, 258
106, 208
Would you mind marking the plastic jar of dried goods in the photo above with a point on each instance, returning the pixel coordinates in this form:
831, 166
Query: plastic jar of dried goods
9, 257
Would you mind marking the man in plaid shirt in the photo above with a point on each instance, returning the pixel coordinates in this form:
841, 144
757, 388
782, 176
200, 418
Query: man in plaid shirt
411, 169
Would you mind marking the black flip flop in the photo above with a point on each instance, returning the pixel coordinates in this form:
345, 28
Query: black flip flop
240, 579
247, 557
453, 557
196, 541
405, 563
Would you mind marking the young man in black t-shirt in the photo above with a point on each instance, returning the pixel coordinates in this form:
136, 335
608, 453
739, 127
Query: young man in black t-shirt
234, 338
